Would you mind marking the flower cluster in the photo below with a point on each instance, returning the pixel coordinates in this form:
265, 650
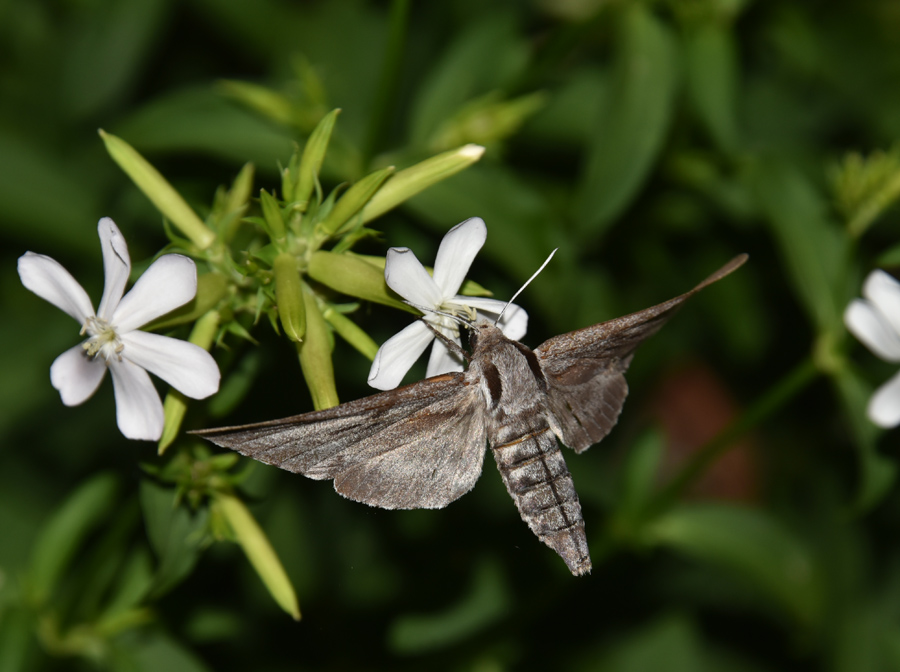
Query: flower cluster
114, 341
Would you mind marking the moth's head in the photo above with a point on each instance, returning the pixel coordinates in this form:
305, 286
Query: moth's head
482, 331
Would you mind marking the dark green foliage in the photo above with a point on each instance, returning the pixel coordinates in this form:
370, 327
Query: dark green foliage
668, 136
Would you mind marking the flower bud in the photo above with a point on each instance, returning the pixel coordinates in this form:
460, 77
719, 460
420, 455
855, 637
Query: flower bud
155, 187
353, 200
315, 356
408, 182
249, 535
289, 295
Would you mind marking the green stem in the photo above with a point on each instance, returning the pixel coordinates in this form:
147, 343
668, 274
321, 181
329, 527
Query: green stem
777, 397
386, 92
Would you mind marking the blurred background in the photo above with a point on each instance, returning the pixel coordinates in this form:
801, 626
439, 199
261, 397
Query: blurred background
742, 516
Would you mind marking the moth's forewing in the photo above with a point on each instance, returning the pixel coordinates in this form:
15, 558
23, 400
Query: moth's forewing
585, 369
420, 446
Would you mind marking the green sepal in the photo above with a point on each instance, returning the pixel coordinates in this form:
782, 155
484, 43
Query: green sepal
353, 200
273, 218
251, 538
155, 187
315, 355
311, 160
289, 296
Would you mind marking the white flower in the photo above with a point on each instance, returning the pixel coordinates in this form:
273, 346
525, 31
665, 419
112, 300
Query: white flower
406, 276
113, 340
875, 321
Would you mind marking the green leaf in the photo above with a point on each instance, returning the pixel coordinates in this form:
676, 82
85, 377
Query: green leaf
66, 530
640, 477
751, 544
486, 601
711, 72
631, 130
813, 248
107, 53
176, 536
461, 75
669, 643
204, 122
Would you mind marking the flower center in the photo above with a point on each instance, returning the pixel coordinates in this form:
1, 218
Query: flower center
446, 323
103, 339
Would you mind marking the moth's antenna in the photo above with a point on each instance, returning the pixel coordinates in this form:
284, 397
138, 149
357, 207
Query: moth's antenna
527, 282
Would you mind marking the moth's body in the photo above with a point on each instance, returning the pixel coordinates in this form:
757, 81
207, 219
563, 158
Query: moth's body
525, 447
423, 445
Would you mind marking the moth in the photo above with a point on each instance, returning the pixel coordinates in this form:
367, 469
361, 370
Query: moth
422, 446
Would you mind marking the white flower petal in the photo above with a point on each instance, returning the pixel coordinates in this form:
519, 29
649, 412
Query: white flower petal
76, 375
47, 278
170, 282
457, 252
405, 275
116, 266
397, 354
884, 406
187, 367
884, 291
139, 412
442, 360
515, 319
868, 325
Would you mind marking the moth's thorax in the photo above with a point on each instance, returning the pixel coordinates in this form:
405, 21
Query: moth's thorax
507, 378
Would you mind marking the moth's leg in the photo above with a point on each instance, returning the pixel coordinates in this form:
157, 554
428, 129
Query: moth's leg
452, 345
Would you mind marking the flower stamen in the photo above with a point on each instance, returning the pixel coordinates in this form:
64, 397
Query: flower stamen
104, 340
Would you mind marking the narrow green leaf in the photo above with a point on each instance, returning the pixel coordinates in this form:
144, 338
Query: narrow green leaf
486, 601
65, 531
754, 546
711, 72
631, 130
176, 536
814, 249
259, 552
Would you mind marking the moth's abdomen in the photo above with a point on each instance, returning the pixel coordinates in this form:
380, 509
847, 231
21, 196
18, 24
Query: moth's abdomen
536, 476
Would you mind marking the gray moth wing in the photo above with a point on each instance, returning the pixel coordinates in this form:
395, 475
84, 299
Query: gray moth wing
584, 369
417, 447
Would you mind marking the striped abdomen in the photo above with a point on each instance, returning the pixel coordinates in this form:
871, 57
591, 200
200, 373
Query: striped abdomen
536, 476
